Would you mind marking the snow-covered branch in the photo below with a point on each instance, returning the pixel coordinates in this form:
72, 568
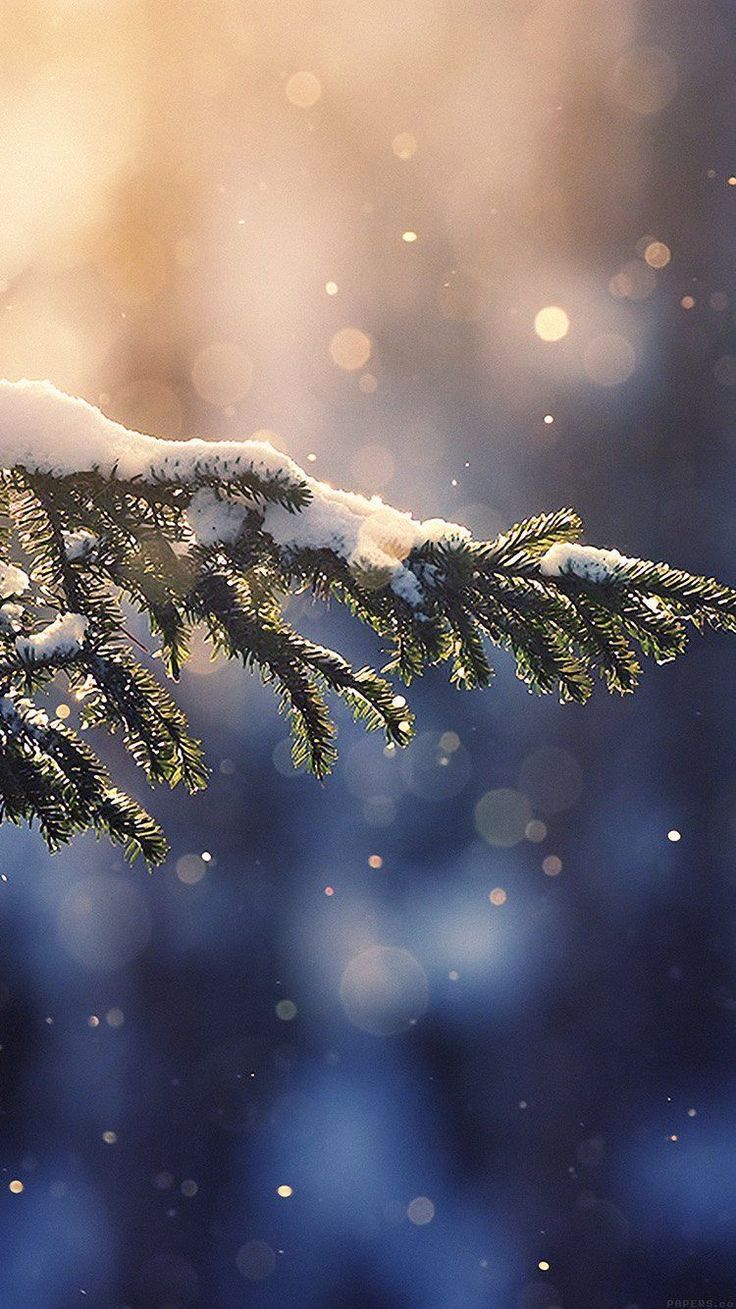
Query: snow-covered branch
212, 534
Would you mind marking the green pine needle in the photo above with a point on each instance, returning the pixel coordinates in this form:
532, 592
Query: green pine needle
562, 631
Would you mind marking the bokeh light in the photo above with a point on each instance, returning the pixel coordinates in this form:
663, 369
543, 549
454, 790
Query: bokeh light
256, 1260
303, 89
384, 990
350, 348
502, 816
551, 323
191, 868
657, 254
636, 280
535, 831
404, 145
420, 1211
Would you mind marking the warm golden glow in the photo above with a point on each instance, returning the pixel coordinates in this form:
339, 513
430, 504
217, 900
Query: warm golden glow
188, 200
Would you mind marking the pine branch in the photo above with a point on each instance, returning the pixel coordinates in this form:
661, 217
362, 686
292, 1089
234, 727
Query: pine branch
214, 535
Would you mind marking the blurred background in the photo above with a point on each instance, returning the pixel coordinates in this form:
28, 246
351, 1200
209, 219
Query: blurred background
454, 1030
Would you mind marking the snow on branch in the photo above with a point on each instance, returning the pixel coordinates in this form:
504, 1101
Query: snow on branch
60, 639
569, 559
13, 581
44, 430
